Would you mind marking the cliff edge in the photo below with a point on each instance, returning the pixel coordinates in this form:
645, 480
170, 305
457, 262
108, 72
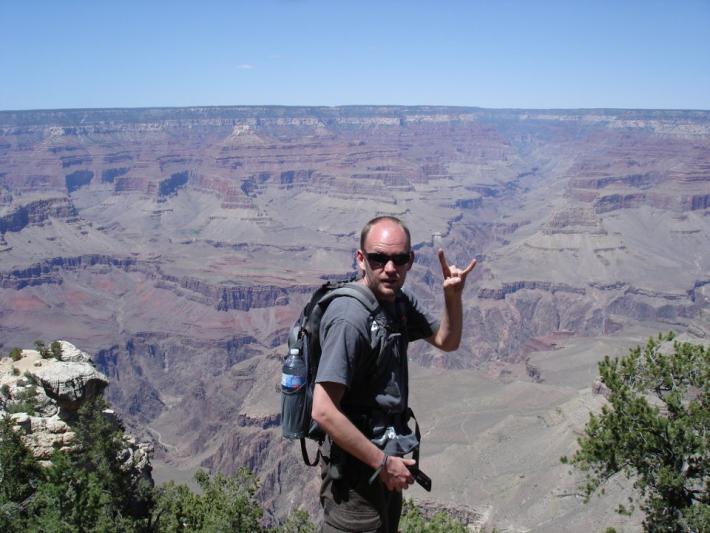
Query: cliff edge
42, 391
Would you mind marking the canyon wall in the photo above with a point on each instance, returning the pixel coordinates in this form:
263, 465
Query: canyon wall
179, 245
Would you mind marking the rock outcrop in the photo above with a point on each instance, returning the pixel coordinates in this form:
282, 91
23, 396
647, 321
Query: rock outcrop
70, 384
42, 396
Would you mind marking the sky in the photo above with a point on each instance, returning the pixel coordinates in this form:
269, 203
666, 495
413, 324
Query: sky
644, 54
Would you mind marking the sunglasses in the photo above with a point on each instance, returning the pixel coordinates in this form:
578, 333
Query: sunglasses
382, 259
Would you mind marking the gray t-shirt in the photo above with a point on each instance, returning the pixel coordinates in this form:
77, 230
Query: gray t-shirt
350, 350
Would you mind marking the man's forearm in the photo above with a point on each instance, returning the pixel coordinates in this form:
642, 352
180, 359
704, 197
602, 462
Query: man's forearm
351, 440
448, 337
342, 430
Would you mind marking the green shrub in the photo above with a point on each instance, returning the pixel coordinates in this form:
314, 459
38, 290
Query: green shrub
25, 402
92, 486
297, 522
56, 349
413, 521
227, 503
20, 474
42, 349
16, 354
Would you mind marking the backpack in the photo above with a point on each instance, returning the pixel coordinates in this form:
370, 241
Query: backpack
301, 365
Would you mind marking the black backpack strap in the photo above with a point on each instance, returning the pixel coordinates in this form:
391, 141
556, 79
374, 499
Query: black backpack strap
417, 433
304, 453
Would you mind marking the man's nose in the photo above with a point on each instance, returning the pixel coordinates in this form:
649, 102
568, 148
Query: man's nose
390, 266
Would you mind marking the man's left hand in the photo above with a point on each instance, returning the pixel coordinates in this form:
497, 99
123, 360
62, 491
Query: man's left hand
454, 277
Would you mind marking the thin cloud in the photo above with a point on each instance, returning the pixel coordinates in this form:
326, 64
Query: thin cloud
245, 66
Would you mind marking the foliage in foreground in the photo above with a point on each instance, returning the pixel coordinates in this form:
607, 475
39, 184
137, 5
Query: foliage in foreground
91, 490
656, 431
226, 503
95, 491
19, 475
413, 521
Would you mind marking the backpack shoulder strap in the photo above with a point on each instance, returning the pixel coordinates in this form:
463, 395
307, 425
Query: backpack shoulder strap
353, 290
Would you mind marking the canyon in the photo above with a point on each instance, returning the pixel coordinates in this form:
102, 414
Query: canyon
178, 245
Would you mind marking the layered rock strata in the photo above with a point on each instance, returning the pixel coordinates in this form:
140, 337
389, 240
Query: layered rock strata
179, 245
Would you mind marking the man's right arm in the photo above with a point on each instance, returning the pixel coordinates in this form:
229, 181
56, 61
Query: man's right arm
326, 412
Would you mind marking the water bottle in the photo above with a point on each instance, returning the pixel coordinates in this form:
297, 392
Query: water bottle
293, 394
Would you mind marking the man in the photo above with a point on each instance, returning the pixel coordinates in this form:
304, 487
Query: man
360, 396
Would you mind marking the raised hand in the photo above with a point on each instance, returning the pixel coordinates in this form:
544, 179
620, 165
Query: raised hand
454, 277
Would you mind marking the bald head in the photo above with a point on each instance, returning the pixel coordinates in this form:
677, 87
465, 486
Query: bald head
387, 220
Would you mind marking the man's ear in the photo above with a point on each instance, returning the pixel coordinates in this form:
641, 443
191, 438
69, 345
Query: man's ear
360, 258
411, 260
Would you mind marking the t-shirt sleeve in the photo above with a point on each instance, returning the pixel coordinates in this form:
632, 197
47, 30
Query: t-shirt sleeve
342, 343
420, 324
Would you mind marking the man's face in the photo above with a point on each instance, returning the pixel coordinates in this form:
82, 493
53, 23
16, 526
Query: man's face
383, 276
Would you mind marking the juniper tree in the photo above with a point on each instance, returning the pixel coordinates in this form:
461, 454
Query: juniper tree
42, 349
227, 503
92, 489
56, 350
655, 429
19, 476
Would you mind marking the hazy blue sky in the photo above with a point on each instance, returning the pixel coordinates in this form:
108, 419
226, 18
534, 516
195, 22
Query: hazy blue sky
529, 54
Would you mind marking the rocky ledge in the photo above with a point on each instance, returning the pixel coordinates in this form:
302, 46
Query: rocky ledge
42, 391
